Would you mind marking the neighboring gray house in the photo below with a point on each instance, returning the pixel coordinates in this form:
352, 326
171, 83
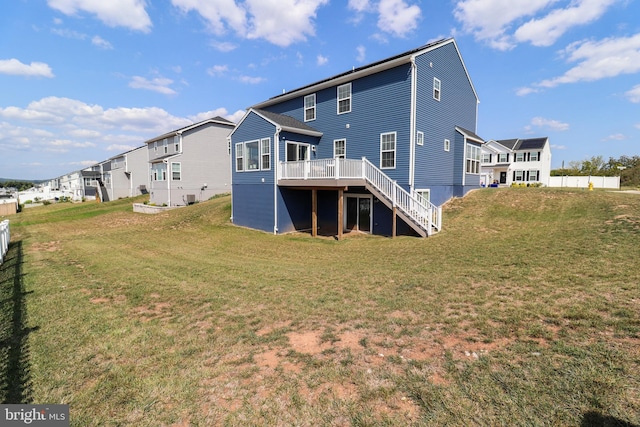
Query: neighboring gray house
127, 174
190, 164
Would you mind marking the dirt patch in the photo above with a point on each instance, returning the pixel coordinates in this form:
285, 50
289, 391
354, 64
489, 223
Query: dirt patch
307, 342
99, 300
53, 246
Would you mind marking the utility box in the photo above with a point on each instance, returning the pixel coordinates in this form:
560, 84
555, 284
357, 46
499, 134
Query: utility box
191, 199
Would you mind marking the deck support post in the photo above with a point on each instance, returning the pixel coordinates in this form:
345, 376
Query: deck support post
340, 212
394, 222
314, 213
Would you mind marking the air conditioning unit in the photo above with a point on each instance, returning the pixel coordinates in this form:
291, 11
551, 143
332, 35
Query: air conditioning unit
191, 199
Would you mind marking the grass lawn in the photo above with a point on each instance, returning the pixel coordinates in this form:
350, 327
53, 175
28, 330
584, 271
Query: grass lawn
525, 310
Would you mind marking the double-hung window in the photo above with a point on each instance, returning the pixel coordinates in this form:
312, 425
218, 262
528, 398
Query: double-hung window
420, 138
503, 158
176, 171
176, 143
239, 157
533, 175
344, 98
436, 89
518, 175
251, 155
265, 153
165, 145
486, 158
447, 145
533, 156
310, 107
519, 157
473, 159
340, 148
388, 150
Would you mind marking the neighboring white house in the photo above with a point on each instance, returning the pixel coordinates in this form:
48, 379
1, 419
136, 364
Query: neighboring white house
517, 161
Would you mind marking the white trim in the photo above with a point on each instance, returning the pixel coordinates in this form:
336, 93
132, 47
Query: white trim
263, 154
447, 145
350, 97
276, 152
437, 91
305, 108
395, 149
180, 171
344, 156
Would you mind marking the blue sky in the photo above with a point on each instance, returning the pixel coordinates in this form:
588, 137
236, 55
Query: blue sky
84, 80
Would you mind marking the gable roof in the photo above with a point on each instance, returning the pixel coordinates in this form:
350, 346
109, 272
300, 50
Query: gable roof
282, 122
523, 144
217, 120
470, 135
376, 67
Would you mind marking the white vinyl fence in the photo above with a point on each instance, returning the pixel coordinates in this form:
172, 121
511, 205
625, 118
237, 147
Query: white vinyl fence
4, 239
612, 182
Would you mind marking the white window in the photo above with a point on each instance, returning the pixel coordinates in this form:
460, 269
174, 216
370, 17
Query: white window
420, 138
503, 158
165, 145
239, 157
251, 156
176, 143
340, 148
436, 89
176, 171
388, 150
486, 158
424, 196
265, 153
310, 107
155, 146
297, 151
447, 145
534, 175
473, 159
518, 175
533, 156
159, 172
344, 98
519, 157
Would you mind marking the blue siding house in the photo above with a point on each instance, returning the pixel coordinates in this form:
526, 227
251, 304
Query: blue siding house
377, 149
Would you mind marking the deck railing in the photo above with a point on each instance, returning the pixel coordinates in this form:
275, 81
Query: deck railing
4, 239
419, 209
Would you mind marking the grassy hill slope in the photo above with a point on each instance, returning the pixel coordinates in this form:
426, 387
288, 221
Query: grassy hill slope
523, 311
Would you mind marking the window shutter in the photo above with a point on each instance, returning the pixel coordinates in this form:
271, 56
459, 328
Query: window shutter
490, 157
514, 176
539, 153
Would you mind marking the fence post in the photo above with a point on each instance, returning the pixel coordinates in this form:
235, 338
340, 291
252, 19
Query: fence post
4, 239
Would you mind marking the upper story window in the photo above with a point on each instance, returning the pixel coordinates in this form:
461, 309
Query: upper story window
340, 148
297, 151
310, 107
503, 158
486, 158
533, 156
388, 150
239, 157
447, 145
176, 143
165, 145
473, 159
344, 98
265, 153
519, 157
436, 89
251, 156
155, 146
420, 138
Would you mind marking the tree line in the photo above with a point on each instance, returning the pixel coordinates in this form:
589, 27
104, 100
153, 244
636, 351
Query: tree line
19, 185
627, 167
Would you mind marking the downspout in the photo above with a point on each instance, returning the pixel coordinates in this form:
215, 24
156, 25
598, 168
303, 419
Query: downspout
464, 161
276, 138
231, 161
412, 124
166, 162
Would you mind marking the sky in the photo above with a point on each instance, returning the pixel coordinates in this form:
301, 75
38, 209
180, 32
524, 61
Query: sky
82, 81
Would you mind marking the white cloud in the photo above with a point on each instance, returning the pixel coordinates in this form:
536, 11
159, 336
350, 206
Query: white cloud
554, 125
321, 60
362, 53
546, 30
69, 34
397, 17
360, 5
101, 43
501, 23
120, 148
599, 59
35, 69
281, 22
223, 46
615, 137
219, 112
158, 84
217, 70
251, 80
633, 95
523, 91
114, 13
558, 147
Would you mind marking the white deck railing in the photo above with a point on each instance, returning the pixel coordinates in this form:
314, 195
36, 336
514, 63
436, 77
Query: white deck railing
419, 209
4, 239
